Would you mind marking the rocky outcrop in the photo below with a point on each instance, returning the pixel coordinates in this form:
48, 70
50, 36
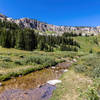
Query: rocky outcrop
2, 17
44, 27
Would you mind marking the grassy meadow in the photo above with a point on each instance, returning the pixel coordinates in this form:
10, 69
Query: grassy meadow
82, 81
78, 83
15, 62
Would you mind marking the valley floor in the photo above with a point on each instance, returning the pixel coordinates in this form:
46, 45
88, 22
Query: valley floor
14, 63
78, 79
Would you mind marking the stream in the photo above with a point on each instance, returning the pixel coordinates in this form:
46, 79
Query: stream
33, 86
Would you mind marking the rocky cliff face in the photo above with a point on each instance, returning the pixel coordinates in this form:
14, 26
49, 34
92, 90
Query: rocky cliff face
44, 27
2, 16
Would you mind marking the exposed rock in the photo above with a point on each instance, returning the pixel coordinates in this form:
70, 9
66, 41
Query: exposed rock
66, 70
2, 16
20, 75
44, 27
53, 67
56, 71
42, 93
34, 24
74, 60
0, 84
54, 82
64, 65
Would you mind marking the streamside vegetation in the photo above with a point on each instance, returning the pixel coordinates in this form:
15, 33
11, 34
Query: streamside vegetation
14, 62
82, 81
90, 66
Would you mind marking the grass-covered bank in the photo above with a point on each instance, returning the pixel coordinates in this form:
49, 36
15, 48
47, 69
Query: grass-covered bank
18, 62
90, 66
69, 88
13, 65
82, 81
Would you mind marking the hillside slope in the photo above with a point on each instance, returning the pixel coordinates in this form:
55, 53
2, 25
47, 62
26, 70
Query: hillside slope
44, 27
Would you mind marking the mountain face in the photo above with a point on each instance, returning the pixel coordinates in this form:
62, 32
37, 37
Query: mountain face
2, 16
44, 27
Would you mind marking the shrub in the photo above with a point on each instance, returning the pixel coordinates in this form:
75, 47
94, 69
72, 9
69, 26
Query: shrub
80, 68
90, 66
18, 62
96, 72
40, 60
5, 65
6, 59
91, 51
90, 94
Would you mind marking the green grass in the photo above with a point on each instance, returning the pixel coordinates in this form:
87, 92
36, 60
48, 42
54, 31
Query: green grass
88, 43
89, 65
69, 88
81, 75
18, 62
82, 81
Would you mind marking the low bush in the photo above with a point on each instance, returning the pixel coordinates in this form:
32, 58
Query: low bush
90, 94
5, 65
6, 59
90, 66
80, 68
42, 60
18, 62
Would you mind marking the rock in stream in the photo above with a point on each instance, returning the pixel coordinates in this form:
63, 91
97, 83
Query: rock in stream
42, 93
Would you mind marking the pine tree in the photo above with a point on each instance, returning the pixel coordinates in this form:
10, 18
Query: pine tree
20, 42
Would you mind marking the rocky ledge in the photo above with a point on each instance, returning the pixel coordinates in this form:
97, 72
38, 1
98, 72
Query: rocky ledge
44, 27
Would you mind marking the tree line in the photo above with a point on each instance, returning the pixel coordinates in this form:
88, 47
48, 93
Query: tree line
12, 36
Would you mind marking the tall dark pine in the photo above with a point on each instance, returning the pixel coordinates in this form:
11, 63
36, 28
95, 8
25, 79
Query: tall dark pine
20, 42
6, 38
29, 37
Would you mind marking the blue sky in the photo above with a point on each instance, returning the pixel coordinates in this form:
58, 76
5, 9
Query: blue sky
58, 12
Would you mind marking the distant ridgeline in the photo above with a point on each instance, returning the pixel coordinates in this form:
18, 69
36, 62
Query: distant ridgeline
42, 27
14, 36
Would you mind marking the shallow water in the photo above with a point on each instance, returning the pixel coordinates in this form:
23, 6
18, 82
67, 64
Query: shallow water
33, 85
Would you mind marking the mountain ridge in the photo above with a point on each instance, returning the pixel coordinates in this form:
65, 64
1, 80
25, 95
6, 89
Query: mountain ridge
45, 27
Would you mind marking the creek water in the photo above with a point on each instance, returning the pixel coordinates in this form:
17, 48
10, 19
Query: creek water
33, 86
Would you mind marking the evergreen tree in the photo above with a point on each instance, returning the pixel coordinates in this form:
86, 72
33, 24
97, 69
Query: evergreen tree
29, 38
20, 42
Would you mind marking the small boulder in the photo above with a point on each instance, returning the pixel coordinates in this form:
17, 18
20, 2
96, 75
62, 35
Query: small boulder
20, 75
66, 70
56, 71
54, 82
74, 60
0, 84
53, 67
